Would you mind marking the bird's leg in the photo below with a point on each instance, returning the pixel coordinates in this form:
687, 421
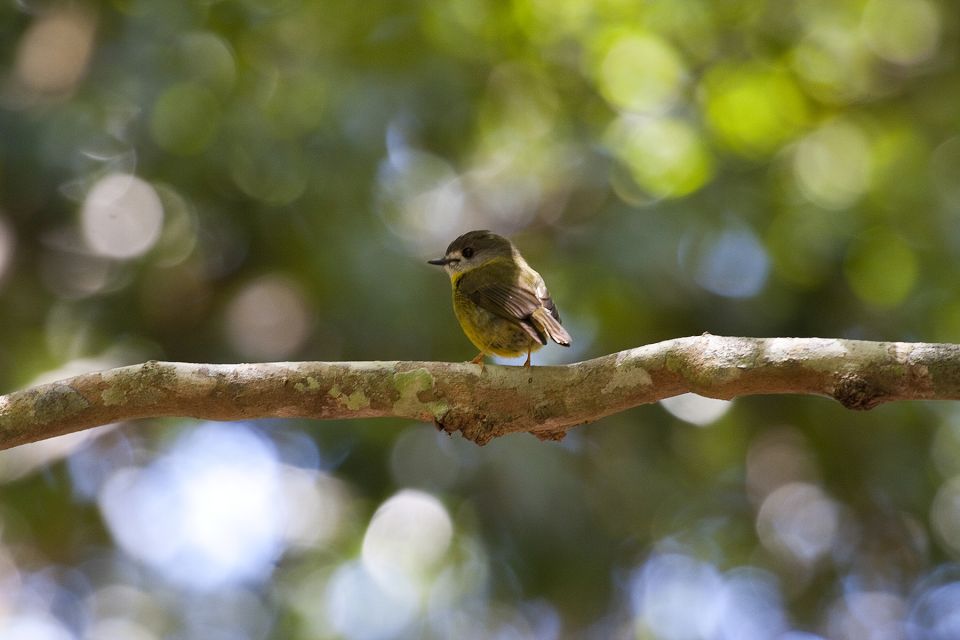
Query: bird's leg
527, 363
478, 360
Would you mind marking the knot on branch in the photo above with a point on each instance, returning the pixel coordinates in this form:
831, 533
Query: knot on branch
473, 426
855, 392
480, 428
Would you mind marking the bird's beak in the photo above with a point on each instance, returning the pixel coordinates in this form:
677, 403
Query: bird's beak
439, 261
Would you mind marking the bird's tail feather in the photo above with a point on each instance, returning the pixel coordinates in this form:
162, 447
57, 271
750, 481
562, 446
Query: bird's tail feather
552, 327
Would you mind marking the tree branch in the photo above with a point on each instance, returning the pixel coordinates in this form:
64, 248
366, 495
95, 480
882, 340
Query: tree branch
484, 404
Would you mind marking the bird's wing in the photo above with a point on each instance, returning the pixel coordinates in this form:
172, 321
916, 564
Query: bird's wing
533, 310
509, 301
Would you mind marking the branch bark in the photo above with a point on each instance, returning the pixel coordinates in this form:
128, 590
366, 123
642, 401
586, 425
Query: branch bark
484, 404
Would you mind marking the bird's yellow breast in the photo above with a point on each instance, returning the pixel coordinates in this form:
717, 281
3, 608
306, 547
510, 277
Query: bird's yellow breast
490, 333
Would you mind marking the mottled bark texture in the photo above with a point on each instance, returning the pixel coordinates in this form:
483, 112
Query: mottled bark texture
495, 400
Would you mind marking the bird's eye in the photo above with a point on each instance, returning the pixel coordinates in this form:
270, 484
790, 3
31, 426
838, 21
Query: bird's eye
467, 252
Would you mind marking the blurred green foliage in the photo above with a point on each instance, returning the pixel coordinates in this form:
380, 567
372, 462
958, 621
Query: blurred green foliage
745, 168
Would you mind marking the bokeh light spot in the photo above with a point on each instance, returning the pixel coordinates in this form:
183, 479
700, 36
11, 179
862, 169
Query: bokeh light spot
33, 627
752, 606
408, 536
936, 601
52, 55
867, 614
753, 108
211, 512
639, 72
733, 264
833, 166
549, 20
834, 64
360, 607
209, 60
422, 198
902, 31
666, 592
119, 629
185, 119
798, 522
945, 515
317, 507
122, 216
179, 237
269, 319
665, 156
695, 409
881, 268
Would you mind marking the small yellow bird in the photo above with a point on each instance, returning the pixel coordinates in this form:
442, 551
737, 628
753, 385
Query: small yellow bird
502, 304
